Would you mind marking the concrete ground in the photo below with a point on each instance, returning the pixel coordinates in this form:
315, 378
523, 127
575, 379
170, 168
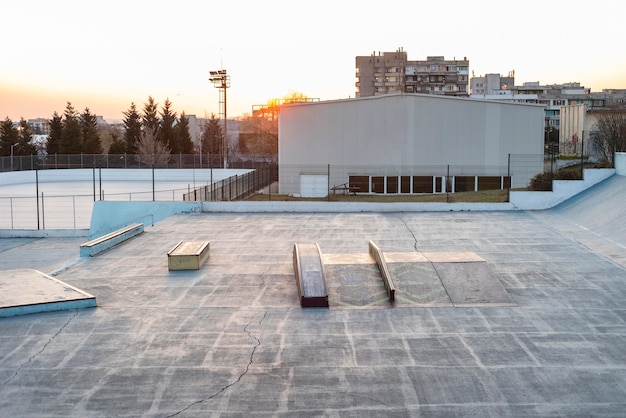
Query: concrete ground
230, 339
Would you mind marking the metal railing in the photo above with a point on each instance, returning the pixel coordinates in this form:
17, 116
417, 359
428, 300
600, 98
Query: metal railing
67, 161
237, 187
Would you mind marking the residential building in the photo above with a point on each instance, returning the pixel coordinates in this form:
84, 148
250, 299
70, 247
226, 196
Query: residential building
491, 84
555, 98
39, 126
392, 72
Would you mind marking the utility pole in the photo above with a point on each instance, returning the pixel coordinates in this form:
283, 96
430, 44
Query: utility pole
221, 81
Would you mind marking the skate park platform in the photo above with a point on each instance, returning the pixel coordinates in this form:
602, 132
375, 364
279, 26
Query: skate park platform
27, 291
231, 339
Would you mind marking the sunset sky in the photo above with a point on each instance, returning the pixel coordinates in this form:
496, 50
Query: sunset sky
106, 55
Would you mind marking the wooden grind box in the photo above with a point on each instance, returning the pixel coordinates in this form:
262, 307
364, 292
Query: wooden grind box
188, 255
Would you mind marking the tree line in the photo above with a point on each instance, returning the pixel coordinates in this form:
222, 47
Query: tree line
150, 131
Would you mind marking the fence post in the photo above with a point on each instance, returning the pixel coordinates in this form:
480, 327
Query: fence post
508, 174
43, 213
582, 156
269, 184
446, 184
328, 182
37, 193
100, 181
94, 181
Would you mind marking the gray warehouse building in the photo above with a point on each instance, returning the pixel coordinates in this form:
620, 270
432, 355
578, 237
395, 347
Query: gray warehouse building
407, 143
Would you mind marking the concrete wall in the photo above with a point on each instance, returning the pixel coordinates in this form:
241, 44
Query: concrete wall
349, 207
620, 163
403, 131
561, 191
110, 216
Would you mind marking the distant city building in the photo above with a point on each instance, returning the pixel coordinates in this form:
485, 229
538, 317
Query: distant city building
557, 99
491, 84
39, 126
392, 72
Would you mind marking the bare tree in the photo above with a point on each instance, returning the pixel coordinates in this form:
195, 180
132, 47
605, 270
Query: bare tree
610, 134
151, 151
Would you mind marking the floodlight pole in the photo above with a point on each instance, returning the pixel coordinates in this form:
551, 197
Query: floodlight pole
221, 81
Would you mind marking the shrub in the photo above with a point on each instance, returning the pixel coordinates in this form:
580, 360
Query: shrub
541, 183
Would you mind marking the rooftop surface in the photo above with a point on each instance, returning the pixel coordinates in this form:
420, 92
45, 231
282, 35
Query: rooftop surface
231, 339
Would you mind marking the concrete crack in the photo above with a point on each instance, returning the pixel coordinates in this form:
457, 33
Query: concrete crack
411, 232
17, 371
257, 343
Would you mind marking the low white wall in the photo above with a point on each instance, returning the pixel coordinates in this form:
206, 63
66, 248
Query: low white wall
620, 163
350, 207
43, 233
561, 190
110, 216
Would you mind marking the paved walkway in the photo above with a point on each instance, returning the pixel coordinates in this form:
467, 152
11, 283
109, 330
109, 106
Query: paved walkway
230, 339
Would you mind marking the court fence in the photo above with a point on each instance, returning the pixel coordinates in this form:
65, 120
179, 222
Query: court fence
73, 210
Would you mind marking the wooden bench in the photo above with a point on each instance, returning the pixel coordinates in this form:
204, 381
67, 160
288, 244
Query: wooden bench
345, 188
377, 254
97, 245
310, 276
188, 255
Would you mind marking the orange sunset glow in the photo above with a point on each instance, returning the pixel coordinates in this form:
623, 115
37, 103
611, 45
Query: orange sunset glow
105, 57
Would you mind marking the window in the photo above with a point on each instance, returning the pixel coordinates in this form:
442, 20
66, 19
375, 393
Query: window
378, 184
422, 184
405, 184
360, 183
464, 183
392, 184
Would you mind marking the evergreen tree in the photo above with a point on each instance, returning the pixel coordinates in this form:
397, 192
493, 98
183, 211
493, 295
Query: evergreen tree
182, 133
9, 136
89, 133
150, 118
212, 136
118, 146
167, 133
71, 140
132, 132
55, 135
25, 145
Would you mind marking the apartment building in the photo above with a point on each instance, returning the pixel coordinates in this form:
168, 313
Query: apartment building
562, 104
552, 96
491, 84
391, 72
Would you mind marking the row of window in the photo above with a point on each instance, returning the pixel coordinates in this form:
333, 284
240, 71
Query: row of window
426, 184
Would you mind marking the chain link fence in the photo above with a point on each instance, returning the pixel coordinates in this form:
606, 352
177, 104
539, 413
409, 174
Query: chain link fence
26, 207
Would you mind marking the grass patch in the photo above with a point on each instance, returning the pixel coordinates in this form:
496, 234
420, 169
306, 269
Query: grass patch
484, 196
